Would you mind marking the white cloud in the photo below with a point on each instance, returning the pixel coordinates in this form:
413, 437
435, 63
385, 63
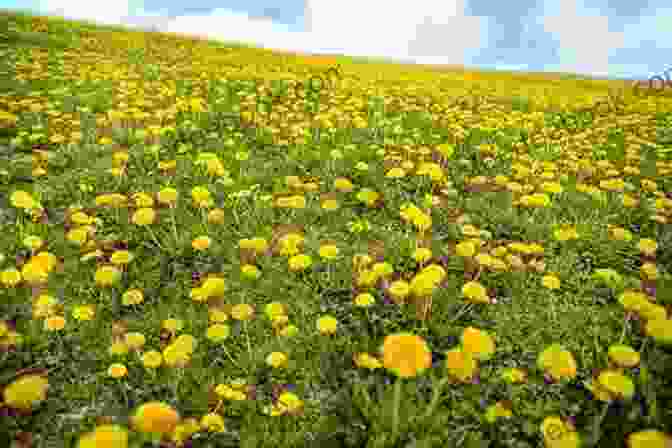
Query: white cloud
584, 38
427, 31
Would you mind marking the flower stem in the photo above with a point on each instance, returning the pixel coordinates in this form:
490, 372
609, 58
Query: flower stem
395, 409
436, 394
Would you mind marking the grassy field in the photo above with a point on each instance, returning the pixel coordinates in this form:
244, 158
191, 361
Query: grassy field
206, 245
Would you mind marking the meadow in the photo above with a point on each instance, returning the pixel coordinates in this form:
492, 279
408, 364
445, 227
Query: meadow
205, 244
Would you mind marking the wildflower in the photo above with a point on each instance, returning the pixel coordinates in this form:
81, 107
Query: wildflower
242, 311
201, 243
477, 342
623, 356
201, 197
143, 216
330, 205
367, 361
26, 391
167, 196
172, 325
10, 277
558, 434
399, 290
218, 332
513, 375
620, 234
616, 384
118, 348
649, 271
289, 402
566, 233
121, 257
497, 410
647, 246
155, 418
107, 275
462, 365
466, 249
327, 324
54, 323
33, 242
44, 306
117, 371
329, 251
274, 309
22, 199
250, 271
289, 331
216, 216
422, 254
550, 281
300, 262
344, 185
105, 436
406, 355
214, 287
132, 297
213, 422
660, 330
152, 359
364, 300
277, 360
475, 292
557, 362
649, 438
134, 340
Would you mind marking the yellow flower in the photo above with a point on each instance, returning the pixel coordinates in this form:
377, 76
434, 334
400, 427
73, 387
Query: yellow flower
647, 246
399, 290
44, 306
250, 271
367, 361
475, 292
289, 331
143, 216
395, 173
216, 216
329, 251
327, 324
117, 370
274, 309
462, 365
107, 275
172, 325
513, 375
497, 410
132, 297
330, 205
213, 422
156, 418
277, 360
649, 271
557, 362
620, 234
33, 242
478, 342
214, 287
406, 355
289, 402
32, 273
616, 384
54, 323
344, 185
201, 197
121, 257
660, 330
218, 332
78, 235
105, 436
364, 300
422, 254
118, 348
649, 438
152, 359
201, 243
135, 340
623, 356
143, 200
26, 391
566, 233
167, 196
22, 199
300, 262
558, 434
10, 277
550, 281
242, 311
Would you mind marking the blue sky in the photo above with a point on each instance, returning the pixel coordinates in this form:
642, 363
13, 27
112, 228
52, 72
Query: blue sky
618, 38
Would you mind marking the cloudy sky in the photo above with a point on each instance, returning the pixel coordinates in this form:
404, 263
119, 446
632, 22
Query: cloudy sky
618, 38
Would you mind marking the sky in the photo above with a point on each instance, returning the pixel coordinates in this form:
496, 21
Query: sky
614, 38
